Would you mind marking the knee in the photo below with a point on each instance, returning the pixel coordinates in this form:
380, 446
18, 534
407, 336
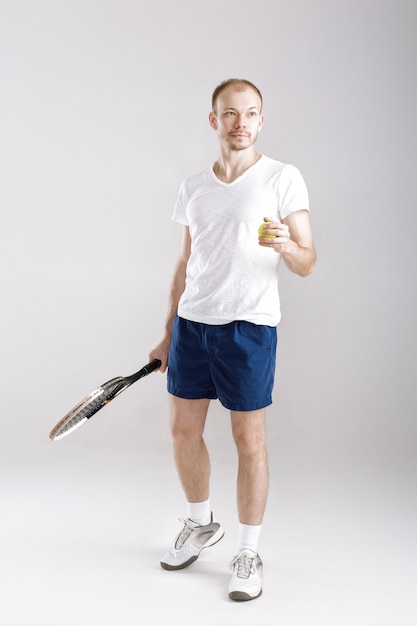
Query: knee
184, 431
187, 419
250, 445
249, 433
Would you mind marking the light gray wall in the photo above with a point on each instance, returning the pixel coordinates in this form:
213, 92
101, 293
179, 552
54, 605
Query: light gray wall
103, 112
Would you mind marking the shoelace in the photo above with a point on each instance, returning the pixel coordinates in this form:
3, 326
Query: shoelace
244, 564
184, 534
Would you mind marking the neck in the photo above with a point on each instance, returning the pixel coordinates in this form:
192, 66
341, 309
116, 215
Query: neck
233, 164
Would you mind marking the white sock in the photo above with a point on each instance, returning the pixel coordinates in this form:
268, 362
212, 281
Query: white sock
199, 512
249, 537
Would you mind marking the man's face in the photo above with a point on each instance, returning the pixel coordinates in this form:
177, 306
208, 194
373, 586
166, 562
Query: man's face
237, 118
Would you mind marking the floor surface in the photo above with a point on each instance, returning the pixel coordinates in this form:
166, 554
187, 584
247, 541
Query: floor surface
82, 532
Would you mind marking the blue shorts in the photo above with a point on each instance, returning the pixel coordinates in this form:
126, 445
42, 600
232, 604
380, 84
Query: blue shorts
232, 362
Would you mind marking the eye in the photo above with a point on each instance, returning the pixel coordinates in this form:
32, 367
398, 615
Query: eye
230, 113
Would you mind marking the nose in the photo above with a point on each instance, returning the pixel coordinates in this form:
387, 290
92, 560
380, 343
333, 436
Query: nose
240, 121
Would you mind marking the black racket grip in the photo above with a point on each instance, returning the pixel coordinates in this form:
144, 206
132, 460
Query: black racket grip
152, 366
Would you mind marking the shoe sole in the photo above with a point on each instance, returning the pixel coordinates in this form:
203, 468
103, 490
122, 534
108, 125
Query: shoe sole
170, 568
242, 596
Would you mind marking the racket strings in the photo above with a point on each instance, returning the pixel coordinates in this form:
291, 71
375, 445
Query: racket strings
111, 393
91, 408
99, 398
82, 415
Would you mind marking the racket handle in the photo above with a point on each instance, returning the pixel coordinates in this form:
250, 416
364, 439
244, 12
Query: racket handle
152, 366
144, 371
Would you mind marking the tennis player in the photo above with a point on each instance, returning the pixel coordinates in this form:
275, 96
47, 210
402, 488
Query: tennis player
220, 334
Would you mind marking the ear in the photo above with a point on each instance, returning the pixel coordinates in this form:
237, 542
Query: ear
261, 123
212, 120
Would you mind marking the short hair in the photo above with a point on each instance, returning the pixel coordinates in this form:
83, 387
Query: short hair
239, 83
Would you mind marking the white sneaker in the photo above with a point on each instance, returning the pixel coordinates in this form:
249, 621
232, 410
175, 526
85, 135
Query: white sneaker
189, 543
246, 581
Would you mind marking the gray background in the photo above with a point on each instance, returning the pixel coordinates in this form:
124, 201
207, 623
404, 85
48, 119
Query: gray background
103, 112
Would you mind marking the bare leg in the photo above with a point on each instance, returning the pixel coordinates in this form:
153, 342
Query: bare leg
188, 418
253, 474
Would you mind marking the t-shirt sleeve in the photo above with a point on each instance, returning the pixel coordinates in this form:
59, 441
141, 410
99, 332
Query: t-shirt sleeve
180, 214
292, 192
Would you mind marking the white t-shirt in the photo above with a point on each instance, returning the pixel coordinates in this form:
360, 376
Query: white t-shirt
230, 276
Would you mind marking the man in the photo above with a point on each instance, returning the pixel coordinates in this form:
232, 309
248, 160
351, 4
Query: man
220, 335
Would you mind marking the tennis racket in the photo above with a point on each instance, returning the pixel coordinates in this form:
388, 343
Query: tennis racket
97, 400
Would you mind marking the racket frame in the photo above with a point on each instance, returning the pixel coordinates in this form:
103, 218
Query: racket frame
109, 390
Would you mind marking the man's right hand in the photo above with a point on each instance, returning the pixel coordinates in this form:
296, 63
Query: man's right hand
161, 352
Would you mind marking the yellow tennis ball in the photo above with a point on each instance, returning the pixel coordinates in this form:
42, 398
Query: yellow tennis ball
261, 233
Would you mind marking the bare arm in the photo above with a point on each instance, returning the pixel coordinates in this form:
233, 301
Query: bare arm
293, 240
177, 289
